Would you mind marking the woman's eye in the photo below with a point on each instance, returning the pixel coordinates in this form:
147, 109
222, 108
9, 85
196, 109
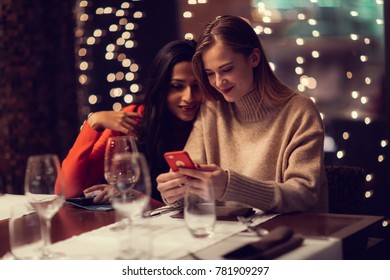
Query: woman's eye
176, 86
227, 70
209, 74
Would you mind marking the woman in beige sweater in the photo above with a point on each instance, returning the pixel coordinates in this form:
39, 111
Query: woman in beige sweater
256, 141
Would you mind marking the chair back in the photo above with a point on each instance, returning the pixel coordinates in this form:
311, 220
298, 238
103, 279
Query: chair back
347, 185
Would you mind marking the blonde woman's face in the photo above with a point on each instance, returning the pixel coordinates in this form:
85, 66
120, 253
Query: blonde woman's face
184, 96
230, 73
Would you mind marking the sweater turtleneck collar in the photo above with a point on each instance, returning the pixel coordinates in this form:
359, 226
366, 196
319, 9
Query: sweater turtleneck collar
249, 107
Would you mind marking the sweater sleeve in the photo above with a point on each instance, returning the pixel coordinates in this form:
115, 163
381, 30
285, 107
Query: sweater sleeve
84, 165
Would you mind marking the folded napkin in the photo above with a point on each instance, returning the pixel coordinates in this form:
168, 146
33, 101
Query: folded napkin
277, 242
225, 213
88, 204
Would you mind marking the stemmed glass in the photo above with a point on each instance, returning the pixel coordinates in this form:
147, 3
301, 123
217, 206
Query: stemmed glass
42, 172
116, 145
130, 199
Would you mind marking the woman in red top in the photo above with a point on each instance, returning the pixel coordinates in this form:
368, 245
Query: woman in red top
171, 102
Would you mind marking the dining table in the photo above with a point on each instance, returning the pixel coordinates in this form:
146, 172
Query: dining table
347, 235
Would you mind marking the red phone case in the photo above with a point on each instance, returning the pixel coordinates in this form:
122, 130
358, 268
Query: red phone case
178, 159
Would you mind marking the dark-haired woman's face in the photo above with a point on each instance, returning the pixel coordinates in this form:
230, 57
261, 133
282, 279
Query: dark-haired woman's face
184, 96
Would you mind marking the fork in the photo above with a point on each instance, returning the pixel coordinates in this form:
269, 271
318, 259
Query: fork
249, 222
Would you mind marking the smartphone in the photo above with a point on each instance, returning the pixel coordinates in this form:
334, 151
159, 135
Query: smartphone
178, 159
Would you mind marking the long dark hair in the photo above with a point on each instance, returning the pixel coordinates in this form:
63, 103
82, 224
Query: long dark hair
237, 34
152, 131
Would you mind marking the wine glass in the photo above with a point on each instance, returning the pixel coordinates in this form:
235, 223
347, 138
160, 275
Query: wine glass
42, 172
131, 196
115, 145
199, 211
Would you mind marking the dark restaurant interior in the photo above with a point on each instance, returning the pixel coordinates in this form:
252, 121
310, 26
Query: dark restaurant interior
60, 60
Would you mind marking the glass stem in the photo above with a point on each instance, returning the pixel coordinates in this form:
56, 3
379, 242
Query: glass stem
46, 230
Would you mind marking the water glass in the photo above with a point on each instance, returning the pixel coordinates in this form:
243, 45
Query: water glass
25, 233
199, 211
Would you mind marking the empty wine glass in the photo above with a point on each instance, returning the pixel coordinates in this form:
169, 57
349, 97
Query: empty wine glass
115, 145
42, 172
199, 211
131, 198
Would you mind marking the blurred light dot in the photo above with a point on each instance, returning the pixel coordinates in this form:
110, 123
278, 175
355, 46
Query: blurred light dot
126, 62
258, 29
91, 41
83, 4
367, 80
272, 65
312, 21
138, 14
363, 58
126, 35
340, 154
128, 98
315, 33
369, 177
82, 52
354, 13
84, 17
109, 55
134, 88
97, 33
113, 28
83, 65
110, 48
367, 120
120, 41
121, 57
123, 21
354, 114
120, 13
117, 107
267, 30
355, 94
119, 76
187, 14
130, 26
299, 41
301, 16
189, 36
134, 67
301, 88
381, 158
129, 76
369, 194
345, 135
364, 100
99, 11
385, 223
107, 10
125, 5
83, 79
298, 70
315, 54
130, 44
349, 75
300, 60
384, 143
367, 41
92, 99
111, 77
354, 37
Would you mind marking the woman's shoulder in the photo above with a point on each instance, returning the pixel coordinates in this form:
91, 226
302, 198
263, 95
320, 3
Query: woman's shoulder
301, 102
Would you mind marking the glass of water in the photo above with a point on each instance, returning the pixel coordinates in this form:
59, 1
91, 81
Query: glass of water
199, 211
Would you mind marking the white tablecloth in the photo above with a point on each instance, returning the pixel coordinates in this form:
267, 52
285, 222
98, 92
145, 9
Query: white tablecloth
7, 201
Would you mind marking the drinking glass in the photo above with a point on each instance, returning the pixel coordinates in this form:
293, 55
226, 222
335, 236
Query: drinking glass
42, 172
199, 211
25, 234
131, 199
115, 145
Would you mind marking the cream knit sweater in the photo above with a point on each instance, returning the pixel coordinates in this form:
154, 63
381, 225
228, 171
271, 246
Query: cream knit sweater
274, 159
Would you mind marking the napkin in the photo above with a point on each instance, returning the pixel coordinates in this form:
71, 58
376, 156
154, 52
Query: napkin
224, 213
88, 204
277, 242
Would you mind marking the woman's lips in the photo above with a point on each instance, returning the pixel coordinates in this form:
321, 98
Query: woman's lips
226, 91
187, 108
